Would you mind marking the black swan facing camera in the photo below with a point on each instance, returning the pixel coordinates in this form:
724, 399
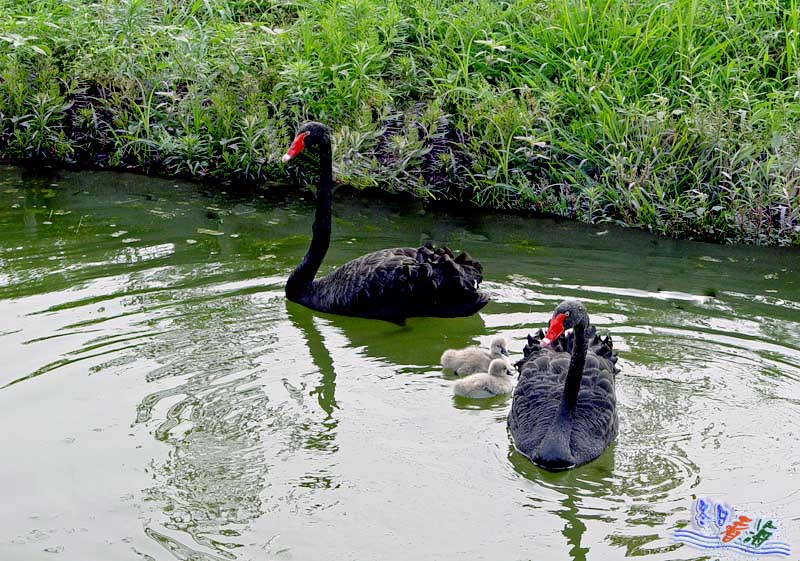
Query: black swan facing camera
564, 410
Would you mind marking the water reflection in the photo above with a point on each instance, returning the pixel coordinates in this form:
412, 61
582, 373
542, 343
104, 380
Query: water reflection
498, 402
570, 490
415, 346
209, 488
303, 319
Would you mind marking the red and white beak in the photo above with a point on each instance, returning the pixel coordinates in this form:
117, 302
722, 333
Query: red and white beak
555, 329
298, 145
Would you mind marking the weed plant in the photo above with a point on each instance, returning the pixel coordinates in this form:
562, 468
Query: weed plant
682, 117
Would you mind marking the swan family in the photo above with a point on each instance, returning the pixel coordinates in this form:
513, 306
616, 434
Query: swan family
563, 411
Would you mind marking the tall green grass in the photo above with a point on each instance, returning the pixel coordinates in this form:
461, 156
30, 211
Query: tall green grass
682, 117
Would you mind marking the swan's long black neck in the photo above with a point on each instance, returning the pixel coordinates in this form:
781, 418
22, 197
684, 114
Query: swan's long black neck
575, 371
300, 280
555, 451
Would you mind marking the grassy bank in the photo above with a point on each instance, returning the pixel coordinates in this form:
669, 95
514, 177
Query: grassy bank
681, 116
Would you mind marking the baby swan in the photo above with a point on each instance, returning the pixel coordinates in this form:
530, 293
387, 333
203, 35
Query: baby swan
496, 382
473, 359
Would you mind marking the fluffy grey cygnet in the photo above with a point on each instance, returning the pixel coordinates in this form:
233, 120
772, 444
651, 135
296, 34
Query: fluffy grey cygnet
474, 359
486, 384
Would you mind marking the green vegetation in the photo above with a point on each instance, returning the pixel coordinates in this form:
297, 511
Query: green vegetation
681, 116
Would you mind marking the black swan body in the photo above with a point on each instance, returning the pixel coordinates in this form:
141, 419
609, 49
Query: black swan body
389, 284
564, 411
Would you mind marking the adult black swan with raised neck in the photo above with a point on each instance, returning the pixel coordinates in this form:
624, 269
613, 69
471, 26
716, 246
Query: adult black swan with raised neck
564, 410
389, 284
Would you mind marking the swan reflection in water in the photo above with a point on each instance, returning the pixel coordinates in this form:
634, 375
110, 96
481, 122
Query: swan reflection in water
573, 486
325, 390
415, 346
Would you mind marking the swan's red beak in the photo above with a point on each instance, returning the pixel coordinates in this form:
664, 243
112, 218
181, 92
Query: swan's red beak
298, 144
555, 329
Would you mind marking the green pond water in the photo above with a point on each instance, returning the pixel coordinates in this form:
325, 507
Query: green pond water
160, 399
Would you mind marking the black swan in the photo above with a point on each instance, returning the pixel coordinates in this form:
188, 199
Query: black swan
486, 384
564, 411
389, 284
473, 359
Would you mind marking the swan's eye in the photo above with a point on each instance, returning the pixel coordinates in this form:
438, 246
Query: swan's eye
566, 314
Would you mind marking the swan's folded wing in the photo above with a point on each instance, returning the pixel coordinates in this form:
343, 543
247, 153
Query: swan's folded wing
596, 408
537, 398
459, 274
404, 282
362, 281
603, 348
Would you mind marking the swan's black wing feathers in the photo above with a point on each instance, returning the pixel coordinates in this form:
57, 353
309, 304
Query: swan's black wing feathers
537, 398
404, 282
